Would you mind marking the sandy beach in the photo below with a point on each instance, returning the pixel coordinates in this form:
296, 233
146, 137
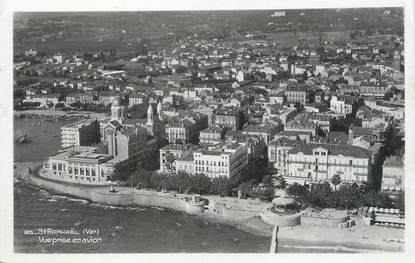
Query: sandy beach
358, 238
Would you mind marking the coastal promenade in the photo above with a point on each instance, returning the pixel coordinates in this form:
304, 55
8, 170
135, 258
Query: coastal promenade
359, 238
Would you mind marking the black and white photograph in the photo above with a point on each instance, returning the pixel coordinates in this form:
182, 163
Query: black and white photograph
255, 130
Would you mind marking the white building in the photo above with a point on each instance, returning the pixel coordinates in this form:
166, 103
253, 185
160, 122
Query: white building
81, 165
340, 105
225, 160
82, 133
220, 160
318, 163
393, 174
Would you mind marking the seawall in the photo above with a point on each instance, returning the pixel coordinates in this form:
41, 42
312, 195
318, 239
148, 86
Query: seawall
124, 197
322, 222
281, 220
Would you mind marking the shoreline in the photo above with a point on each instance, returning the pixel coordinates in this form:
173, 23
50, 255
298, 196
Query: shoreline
306, 237
56, 113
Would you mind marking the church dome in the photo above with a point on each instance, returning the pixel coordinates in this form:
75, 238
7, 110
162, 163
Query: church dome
118, 101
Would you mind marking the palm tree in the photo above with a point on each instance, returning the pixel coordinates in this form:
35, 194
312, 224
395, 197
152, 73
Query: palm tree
336, 180
182, 177
245, 188
170, 158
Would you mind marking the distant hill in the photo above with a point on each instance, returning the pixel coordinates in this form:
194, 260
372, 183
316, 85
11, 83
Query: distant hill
87, 31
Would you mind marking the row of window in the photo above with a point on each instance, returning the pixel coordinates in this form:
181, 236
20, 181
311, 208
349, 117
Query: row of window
76, 170
202, 169
211, 163
330, 161
82, 171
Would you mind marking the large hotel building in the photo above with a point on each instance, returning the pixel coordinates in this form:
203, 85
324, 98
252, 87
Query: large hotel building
219, 160
319, 163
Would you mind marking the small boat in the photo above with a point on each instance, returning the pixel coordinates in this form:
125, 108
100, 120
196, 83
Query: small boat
22, 139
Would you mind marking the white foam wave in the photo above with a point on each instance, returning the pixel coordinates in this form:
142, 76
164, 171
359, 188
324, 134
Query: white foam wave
78, 200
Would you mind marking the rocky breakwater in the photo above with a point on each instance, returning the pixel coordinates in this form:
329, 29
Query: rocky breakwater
23, 171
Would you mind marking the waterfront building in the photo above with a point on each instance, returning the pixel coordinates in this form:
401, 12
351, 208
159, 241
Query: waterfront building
393, 174
225, 160
172, 152
318, 163
81, 165
129, 144
218, 160
278, 153
82, 133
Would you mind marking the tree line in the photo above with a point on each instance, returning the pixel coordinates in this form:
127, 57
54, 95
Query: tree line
183, 182
347, 196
